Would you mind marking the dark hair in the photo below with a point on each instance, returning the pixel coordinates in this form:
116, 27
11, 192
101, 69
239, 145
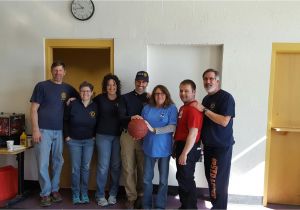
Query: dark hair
168, 100
105, 83
217, 74
86, 84
57, 63
189, 82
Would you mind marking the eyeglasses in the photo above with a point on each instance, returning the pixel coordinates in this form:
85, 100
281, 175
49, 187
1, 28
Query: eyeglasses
157, 94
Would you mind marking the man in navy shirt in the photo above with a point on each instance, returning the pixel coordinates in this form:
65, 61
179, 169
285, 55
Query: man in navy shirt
218, 107
132, 154
47, 109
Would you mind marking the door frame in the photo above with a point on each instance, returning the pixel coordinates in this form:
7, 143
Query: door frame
276, 49
51, 44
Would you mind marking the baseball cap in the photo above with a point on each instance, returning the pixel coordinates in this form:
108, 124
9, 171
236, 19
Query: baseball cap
142, 75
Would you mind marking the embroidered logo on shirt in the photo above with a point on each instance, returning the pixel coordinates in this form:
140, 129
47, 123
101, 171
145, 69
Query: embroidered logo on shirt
212, 106
92, 114
63, 96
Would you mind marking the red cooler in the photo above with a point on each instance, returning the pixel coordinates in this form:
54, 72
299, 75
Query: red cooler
8, 182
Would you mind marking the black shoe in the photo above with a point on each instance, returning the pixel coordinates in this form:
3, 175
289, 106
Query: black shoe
129, 204
138, 204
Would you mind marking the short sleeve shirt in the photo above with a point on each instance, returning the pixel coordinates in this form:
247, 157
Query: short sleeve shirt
188, 117
51, 97
214, 134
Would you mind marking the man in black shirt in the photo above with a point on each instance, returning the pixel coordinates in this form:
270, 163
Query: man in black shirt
132, 154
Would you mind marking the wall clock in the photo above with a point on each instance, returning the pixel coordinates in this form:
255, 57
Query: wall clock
82, 9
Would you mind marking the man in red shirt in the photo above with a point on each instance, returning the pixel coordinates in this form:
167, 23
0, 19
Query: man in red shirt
187, 138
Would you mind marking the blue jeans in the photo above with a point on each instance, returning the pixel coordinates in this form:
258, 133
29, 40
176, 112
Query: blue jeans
163, 168
52, 140
81, 152
109, 157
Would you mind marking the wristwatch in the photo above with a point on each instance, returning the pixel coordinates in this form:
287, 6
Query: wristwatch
204, 110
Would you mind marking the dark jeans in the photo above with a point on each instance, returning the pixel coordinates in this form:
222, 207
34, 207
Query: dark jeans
185, 177
217, 162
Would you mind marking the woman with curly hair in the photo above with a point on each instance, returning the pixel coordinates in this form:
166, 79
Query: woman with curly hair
108, 139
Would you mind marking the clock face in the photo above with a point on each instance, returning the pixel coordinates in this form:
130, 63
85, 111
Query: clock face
82, 9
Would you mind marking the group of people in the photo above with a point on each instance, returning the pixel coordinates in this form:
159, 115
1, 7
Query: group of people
59, 113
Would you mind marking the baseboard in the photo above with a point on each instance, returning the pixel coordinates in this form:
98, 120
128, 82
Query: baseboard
245, 199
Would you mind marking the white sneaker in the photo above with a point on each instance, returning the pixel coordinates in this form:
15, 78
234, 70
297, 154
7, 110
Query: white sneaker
102, 202
112, 200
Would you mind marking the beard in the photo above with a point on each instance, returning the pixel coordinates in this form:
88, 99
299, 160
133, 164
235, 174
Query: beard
210, 89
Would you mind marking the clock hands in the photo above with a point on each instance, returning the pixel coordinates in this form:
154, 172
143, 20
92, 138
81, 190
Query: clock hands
78, 6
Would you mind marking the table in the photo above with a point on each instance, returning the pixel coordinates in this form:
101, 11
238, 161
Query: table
20, 159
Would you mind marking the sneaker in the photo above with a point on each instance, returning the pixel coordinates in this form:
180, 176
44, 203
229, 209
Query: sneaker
56, 197
76, 199
129, 204
102, 202
45, 201
112, 200
85, 198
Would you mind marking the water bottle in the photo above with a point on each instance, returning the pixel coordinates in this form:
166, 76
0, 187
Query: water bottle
23, 139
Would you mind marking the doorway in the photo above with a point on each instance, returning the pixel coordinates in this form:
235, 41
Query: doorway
86, 60
283, 134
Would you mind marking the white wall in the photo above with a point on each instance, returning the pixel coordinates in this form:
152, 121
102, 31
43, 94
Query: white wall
170, 64
246, 29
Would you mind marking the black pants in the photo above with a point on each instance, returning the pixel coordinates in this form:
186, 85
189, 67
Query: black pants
185, 177
217, 162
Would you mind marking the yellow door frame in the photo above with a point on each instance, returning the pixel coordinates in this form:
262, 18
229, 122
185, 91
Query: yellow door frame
50, 44
276, 49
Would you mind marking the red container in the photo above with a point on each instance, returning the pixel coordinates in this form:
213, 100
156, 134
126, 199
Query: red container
8, 182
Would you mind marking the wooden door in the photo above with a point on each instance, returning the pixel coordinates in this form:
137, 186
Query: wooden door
282, 180
86, 60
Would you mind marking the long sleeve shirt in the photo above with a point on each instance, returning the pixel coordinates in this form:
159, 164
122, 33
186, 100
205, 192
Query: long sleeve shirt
131, 104
80, 121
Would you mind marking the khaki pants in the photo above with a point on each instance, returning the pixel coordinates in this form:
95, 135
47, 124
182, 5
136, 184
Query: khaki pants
132, 165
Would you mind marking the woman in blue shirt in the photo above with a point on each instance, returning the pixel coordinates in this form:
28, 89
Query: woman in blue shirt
161, 117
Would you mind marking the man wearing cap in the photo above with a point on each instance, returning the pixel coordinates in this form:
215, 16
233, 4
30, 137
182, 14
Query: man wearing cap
132, 154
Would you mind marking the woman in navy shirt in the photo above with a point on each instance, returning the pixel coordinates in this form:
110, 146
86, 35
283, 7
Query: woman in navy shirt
79, 131
108, 139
